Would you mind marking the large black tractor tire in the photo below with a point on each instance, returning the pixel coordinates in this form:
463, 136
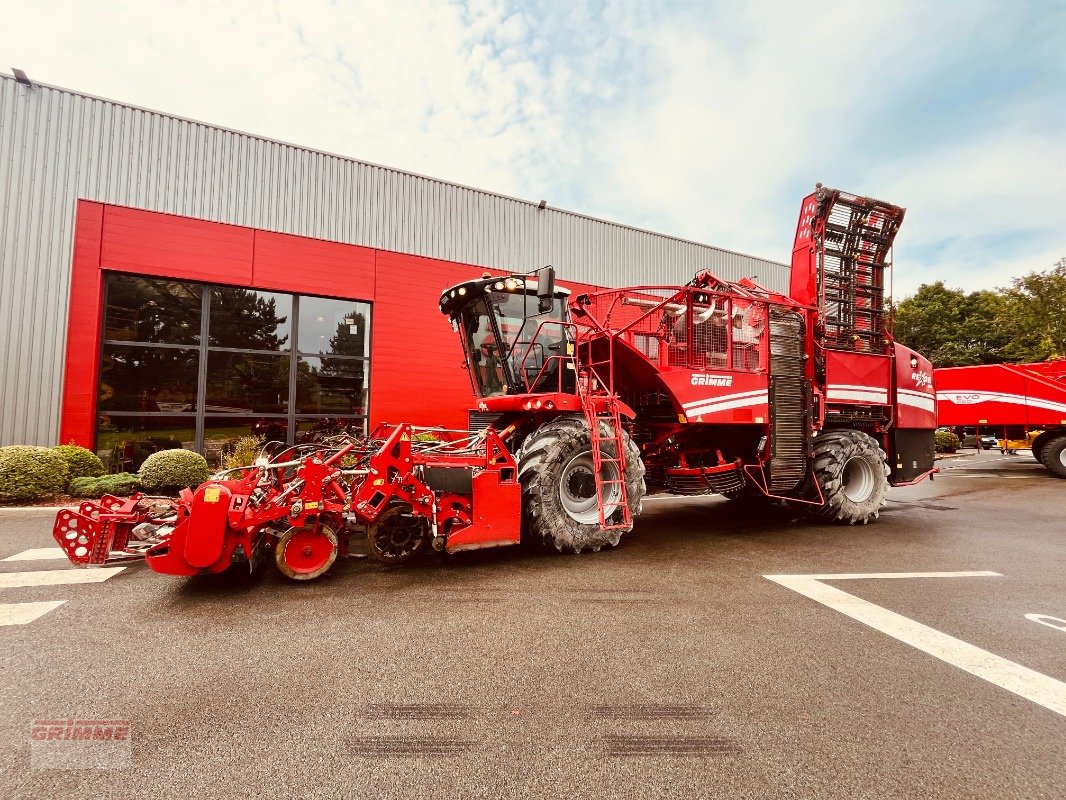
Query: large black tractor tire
852, 472
559, 505
1053, 456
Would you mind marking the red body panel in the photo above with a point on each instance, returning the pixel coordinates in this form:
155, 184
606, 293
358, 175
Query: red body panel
1001, 394
915, 393
720, 396
857, 378
803, 288
207, 525
497, 514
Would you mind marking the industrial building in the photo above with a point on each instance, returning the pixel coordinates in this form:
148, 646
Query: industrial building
169, 283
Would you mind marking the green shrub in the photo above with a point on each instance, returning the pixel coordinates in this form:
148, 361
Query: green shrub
121, 484
31, 473
243, 452
946, 442
169, 470
81, 463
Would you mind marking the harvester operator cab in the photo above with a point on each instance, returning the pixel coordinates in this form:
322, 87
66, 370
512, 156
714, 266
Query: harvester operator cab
515, 333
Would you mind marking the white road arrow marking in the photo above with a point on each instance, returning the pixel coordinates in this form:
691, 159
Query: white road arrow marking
1022, 681
21, 613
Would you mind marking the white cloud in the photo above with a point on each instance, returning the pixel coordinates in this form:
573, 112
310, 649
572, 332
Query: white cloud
708, 122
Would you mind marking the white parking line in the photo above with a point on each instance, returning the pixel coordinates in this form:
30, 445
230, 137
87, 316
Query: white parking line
56, 577
37, 554
1051, 622
22, 613
1022, 681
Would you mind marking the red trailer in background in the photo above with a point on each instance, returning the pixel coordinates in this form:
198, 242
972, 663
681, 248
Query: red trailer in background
1013, 401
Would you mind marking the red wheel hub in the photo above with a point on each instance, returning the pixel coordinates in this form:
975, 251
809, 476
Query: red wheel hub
307, 553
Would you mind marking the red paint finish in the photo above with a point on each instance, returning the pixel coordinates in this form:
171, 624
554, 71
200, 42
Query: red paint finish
1027, 395
804, 265
915, 396
78, 421
169, 246
497, 518
310, 266
417, 369
857, 378
206, 536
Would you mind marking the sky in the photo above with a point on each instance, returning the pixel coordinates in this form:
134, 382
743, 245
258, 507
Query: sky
705, 120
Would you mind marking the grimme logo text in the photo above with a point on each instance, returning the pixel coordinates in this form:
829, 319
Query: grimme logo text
712, 380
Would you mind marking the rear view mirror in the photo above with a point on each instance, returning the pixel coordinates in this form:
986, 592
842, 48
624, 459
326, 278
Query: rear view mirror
545, 289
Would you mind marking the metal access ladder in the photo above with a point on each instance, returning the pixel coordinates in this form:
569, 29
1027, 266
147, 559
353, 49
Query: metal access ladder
600, 404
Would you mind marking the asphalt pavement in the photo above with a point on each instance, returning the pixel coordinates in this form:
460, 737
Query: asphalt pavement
667, 667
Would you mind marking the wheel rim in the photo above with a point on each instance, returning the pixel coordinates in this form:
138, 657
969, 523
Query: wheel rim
396, 536
1062, 457
305, 554
577, 490
858, 480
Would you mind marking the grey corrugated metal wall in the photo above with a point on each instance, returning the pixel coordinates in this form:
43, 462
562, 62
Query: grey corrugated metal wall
57, 146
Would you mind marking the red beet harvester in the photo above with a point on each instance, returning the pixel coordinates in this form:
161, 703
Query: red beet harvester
583, 402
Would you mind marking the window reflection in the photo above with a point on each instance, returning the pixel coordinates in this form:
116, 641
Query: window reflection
148, 310
148, 378
313, 429
238, 383
156, 375
330, 386
123, 443
248, 319
336, 327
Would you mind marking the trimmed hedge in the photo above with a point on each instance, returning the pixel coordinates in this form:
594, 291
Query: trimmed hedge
81, 463
170, 470
121, 484
946, 442
31, 473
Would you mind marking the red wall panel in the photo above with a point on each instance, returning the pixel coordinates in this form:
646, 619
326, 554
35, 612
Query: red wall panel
417, 372
163, 244
83, 332
311, 266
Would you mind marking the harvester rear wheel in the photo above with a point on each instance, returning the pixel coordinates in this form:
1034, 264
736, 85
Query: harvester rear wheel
1053, 456
852, 472
559, 504
303, 554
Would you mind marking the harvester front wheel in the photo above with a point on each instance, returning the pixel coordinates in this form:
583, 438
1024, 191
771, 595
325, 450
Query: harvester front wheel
306, 553
852, 472
1053, 456
560, 508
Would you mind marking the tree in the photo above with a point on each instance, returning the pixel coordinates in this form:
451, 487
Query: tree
1036, 304
952, 328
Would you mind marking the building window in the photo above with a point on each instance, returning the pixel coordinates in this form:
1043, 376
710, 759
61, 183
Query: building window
198, 366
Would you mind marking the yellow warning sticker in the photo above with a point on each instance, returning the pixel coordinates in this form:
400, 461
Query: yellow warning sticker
681, 419
404, 437
211, 494
312, 504
379, 482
